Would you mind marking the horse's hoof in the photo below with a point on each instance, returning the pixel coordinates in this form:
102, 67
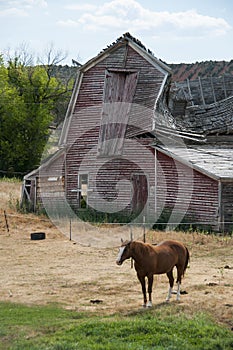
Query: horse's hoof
144, 306
149, 304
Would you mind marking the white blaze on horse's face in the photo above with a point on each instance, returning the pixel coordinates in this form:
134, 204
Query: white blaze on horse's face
124, 252
121, 251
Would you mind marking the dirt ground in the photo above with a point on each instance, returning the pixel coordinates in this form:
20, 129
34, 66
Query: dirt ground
60, 270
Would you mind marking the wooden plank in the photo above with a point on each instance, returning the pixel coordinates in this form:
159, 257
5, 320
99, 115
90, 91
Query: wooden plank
118, 95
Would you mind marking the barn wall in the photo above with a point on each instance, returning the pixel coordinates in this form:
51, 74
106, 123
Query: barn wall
189, 190
110, 179
50, 185
88, 106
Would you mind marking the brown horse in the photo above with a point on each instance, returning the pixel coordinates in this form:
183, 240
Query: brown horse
150, 260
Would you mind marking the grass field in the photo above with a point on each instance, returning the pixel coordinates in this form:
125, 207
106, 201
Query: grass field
53, 328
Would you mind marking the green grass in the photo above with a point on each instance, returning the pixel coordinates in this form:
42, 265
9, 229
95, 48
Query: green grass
53, 328
10, 179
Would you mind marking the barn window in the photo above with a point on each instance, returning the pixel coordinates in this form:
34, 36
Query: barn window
83, 190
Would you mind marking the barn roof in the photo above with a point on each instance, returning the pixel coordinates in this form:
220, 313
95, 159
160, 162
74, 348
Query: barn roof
214, 161
204, 90
127, 39
215, 118
44, 164
203, 106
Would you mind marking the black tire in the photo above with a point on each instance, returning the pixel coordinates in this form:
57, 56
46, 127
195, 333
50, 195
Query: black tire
36, 236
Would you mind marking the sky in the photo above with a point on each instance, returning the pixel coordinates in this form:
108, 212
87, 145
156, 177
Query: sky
175, 31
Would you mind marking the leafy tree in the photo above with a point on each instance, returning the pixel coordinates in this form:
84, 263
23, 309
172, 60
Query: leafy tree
12, 113
28, 97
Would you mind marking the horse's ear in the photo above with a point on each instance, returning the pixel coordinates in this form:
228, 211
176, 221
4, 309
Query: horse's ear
122, 240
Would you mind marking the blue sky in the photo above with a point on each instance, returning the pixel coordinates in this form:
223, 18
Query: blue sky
176, 31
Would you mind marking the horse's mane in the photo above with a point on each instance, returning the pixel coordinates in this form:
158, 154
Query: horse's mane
141, 248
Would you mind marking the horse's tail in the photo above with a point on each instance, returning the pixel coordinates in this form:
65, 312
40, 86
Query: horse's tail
187, 260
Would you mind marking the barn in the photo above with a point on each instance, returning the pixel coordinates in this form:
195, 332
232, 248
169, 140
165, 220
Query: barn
135, 145
195, 161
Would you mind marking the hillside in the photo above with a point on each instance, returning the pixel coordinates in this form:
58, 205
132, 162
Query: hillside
192, 71
181, 71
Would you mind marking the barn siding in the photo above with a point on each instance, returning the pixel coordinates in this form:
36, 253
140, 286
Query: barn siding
197, 196
50, 185
105, 174
87, 111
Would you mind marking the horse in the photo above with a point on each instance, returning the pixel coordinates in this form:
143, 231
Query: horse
150, 260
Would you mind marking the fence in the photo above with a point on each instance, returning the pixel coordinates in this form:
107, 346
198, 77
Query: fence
71, 222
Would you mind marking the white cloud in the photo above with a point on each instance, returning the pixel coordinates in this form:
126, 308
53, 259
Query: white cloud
13, 12
130, 15
20, 8
104, 21
82, 7
194, 20
28, 3
68, 23
22, 5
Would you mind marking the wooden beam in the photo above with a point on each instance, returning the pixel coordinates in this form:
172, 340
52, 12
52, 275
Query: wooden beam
201, 90
212, 85
189, 90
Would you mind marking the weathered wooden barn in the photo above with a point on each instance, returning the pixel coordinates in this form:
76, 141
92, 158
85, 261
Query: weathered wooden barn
199, 176
134, 144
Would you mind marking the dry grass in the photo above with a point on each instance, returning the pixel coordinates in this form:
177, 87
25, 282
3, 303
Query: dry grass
9, 194
65, 272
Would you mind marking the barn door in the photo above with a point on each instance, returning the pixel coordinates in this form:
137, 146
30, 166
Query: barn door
119, 87
139, 192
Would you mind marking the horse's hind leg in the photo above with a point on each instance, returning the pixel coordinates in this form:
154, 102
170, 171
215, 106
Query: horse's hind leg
171, 283
178, 281
150, 284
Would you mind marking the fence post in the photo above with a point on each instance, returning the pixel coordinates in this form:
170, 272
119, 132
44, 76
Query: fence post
6, 222
70, 229
144, 229
131, 238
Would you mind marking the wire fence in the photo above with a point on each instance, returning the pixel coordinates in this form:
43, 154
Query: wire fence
13, 173
169, 225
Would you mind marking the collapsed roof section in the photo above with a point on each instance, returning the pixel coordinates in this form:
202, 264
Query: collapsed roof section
203, 106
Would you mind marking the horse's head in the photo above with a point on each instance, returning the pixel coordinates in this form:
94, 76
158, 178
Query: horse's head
124, 252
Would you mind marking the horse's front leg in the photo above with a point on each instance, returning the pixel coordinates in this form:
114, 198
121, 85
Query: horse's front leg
150, 284
143, 284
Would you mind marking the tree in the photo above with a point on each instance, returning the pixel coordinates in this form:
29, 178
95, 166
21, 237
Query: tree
28, 97
12, 113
